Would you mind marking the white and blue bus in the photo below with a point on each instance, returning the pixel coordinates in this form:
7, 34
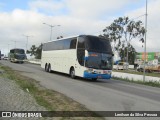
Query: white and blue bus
84, 56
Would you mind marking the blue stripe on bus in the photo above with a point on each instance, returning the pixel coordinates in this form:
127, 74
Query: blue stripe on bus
95, 75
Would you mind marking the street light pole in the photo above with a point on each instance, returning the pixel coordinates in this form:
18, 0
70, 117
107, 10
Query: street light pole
127, 51
14, 42
51, 29
145, 44
51, 33
8, 47
27, 36
123, 42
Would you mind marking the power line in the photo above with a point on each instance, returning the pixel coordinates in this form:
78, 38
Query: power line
138, 17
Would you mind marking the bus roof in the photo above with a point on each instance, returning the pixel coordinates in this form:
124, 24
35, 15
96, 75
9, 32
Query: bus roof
68, 37
17, 48
62, 38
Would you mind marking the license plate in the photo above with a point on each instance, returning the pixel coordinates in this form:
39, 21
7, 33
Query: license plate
99, 76
105, 72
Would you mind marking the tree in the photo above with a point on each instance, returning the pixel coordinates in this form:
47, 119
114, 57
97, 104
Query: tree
123, 29
36, 51
39, 52
32, 50
131, 54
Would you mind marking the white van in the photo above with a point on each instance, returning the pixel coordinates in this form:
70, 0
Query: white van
122, 66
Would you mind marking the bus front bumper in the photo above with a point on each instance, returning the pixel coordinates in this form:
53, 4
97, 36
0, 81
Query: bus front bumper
95, 75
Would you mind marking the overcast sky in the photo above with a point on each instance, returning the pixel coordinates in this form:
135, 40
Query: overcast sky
26, 17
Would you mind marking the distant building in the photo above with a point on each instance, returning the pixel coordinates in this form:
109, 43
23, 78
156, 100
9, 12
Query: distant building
150, 57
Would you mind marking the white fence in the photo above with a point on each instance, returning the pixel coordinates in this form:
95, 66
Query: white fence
35, 61
135, 77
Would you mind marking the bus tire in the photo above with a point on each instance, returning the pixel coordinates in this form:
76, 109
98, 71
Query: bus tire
46, 67
94, 79
49, 68
72, 73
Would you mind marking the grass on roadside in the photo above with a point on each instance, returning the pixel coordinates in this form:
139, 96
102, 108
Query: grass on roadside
148, 83
51, 100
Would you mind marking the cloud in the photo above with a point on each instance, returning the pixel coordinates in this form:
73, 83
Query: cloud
75, 17
94, 9
153, 25
19, 22
16, 23
50, 7
89, 9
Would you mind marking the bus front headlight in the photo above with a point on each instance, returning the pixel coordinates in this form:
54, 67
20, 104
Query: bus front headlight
89, 70
107, 72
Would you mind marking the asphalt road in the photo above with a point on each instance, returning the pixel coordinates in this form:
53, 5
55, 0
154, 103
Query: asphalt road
102, 95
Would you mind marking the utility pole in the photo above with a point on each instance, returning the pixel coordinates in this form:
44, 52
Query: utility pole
27, 36
14, 42
51, 29
123, 54
145, 43
8, 47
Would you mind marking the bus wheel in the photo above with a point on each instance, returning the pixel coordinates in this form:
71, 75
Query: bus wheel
72, 73
94, 79
49, 68
46, 67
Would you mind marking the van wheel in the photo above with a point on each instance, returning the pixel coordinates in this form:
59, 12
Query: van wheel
72, 73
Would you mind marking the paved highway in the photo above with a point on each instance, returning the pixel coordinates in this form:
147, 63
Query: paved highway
102, 95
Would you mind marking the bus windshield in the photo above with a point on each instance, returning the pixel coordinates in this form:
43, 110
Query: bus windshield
19, 51
99, 61
99, 52
97, 44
